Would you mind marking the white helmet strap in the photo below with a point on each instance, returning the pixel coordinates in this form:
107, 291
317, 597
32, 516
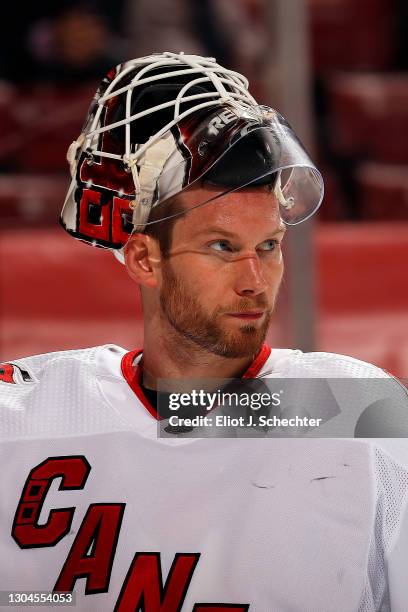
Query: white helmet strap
151, 165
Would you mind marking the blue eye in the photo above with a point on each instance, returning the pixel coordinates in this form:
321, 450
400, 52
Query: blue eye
268, 245
221, 245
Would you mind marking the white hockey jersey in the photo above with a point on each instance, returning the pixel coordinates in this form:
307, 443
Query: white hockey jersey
95, 503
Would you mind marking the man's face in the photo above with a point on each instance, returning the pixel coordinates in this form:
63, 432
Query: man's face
222, 275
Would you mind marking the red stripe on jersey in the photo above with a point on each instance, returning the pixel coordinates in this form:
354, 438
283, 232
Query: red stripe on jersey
133, 374
258, 363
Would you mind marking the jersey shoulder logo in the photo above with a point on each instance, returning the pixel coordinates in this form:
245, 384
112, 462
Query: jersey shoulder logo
14, 374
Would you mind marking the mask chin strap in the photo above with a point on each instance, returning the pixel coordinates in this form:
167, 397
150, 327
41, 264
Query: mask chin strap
151, 165
286, 203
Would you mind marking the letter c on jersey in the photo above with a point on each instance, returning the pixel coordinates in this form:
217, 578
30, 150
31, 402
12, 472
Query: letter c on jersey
73, 471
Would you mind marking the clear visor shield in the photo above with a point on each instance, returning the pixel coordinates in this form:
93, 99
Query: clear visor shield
228, 150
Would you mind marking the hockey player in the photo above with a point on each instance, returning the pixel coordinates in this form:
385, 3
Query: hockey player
192, 185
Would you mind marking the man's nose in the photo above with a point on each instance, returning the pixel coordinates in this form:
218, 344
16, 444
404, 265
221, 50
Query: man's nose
250, 279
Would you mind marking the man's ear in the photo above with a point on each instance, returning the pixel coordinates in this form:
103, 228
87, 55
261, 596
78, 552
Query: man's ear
142, 259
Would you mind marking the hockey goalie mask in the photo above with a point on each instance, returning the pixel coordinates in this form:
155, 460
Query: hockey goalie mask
162, 123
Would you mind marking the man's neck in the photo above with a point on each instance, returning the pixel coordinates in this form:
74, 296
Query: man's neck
169, 355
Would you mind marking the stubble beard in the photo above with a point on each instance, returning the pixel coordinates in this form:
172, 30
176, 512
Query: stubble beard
187, 317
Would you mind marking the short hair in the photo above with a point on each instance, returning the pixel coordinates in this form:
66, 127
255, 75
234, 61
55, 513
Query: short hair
161, 223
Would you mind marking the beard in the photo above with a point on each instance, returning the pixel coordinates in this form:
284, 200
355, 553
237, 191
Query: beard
186, 315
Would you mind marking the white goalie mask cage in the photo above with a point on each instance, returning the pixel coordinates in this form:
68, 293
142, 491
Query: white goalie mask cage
162, 123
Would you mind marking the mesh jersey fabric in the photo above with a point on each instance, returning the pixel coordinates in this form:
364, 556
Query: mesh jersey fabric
294, 524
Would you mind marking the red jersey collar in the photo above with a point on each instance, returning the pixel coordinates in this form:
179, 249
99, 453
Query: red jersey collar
133, 373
